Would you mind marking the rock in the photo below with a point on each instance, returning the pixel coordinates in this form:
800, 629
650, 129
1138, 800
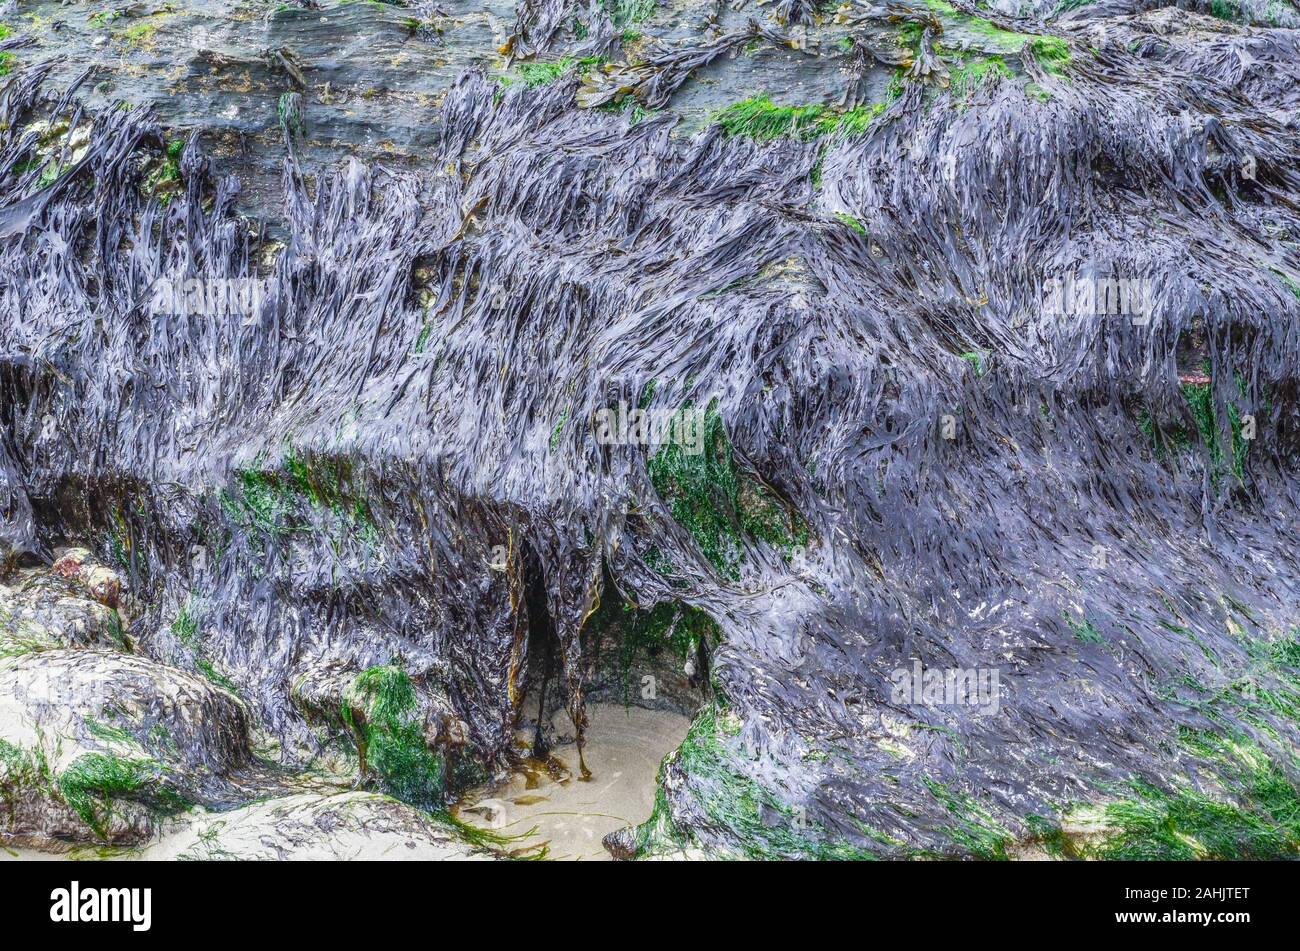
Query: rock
44, 608
621, 844
103, 583
349, 826
317, 692
98, 745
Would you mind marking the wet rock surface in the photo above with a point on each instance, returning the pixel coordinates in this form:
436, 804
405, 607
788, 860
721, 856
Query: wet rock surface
350, 826
97, 744
351, 486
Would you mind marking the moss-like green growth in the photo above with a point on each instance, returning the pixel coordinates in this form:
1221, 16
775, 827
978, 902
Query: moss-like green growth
273, 500
19, 767
992, 43
973, 828
1084, 631
752, 814
762, 120
19, 637
543, 74
558, 431
623, 12
1175, 439
644, 637
164, 179
93, 781
186, 626
389, 736
211, 673
1229, 10
1186, 823
975, 360
1242, 806
1291, 285
140, 34
852, 222
107, 732
7, 59
709, 497
186, 629
1200, 400
967, 74
1051, 52
422, 339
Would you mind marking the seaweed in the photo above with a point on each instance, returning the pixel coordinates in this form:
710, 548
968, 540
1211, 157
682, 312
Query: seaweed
94, 781
717, 503
380, 709
830, 287
762, 825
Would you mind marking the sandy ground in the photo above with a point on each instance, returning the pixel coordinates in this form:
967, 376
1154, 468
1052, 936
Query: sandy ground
545, 804
569, 814
306, 827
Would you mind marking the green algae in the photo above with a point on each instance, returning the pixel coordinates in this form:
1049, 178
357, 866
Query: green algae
1242, 805
7, 59
1084, 631
94, 781
1223, 457
967, 75
644, 637
537, 74
766, 826
717, 504
973, 828
271, 500
761, 120
390, 738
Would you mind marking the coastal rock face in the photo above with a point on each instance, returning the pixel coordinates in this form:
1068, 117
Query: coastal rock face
934, 418
96, 744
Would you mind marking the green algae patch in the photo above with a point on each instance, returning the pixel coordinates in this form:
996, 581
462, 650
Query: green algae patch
761, 120
95, 781
994, 38
973, 829
767, 827
1052, 53
20, 767
642, 637
718, 504
381, 711
533, 75
1224, 457
989, 43
1243, 806
274, 500
968, 75
7, 59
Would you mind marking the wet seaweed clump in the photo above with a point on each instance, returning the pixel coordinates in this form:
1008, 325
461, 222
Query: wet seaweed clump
717, 796
381, 711
95, 782
718, 503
